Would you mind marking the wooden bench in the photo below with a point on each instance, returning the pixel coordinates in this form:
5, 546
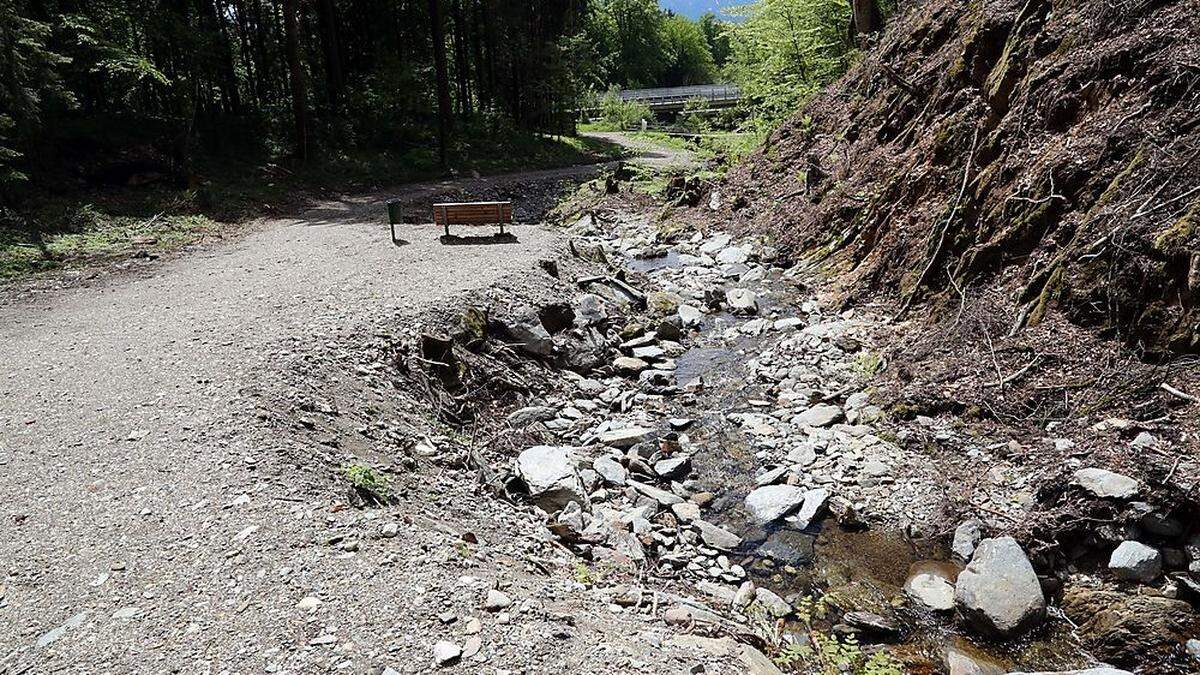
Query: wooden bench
472, 213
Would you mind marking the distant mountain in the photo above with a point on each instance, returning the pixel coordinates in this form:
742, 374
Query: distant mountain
695, 8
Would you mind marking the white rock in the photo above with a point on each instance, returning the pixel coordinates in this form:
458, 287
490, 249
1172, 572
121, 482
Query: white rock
1135, 561
446, 653
772, 502
1106, 484
496, 600
820, 415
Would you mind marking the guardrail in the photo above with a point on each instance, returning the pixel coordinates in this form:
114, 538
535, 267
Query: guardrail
715, 93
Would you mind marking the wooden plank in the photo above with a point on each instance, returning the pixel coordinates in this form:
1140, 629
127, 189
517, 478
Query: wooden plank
472, 213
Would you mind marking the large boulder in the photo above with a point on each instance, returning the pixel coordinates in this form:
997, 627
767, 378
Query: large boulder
550, 476
772, 502
998, 593
820, 415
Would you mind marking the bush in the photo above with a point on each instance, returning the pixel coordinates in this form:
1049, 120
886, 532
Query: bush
619, 115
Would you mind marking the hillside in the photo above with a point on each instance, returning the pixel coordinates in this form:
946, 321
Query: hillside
1043, 148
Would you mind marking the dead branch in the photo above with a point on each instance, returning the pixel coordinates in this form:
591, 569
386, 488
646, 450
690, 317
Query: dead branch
945, 227
1178, 394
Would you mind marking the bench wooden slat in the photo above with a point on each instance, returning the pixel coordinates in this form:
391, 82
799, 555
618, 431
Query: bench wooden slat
472, 213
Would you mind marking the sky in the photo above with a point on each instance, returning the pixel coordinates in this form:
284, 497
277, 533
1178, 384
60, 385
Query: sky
694, 8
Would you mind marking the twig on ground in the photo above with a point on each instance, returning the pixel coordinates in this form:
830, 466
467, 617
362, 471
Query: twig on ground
1005, 380
1179, 394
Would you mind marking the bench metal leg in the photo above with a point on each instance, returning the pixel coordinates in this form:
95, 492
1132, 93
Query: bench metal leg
447, 224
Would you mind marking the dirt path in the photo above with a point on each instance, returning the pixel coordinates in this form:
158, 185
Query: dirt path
651, 154
120, 432
150, 528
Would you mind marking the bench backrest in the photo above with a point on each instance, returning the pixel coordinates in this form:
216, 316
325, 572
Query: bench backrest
472, 213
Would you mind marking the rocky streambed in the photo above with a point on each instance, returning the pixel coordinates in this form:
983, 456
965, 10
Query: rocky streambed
710, 446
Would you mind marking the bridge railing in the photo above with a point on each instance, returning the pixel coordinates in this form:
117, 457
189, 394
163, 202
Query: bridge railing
672, 95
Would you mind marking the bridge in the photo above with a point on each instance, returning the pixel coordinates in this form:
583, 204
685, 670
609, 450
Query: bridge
673, 99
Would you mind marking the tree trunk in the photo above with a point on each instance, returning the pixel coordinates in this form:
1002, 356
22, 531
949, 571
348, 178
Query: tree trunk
334, 81
445, 111
866, 18
296, 77
462, 71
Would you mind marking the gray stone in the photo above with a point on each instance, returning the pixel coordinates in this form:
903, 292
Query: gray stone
733, 255
1106, 484
772, 603
674, 468
772, 502
496, 600
686, 511
625, 438
590, 310
717, 537
690, 316
629, 365
802, 455
715, 243
872, 624
1135, 561
663, 497
649, 353
966, 538
814, 501
757, 663
741, 301
55, 634
820, 415
611, 470
1144, 440
528, 415
550, 476
998, 593
527, 333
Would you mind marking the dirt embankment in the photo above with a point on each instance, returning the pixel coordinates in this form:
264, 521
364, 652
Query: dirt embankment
1025, 173
1044, 147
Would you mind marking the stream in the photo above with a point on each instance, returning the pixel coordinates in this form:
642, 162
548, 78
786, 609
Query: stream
855, 567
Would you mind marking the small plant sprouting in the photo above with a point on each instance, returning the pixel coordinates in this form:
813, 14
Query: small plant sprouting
868, 364
367, 486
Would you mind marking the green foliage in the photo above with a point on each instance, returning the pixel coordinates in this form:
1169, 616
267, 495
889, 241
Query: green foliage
717, 36
29, 82
686, 54
636, 44
630, 35
827, 653
868, 364
617, 114
785, 50
371, 486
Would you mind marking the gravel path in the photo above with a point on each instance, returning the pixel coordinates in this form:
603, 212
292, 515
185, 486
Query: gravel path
134, 499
